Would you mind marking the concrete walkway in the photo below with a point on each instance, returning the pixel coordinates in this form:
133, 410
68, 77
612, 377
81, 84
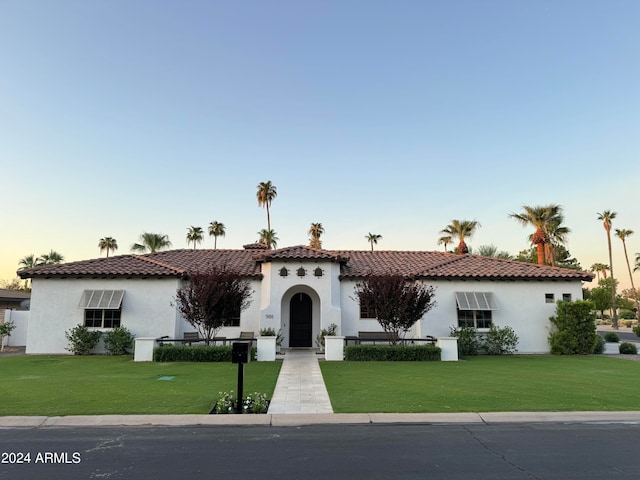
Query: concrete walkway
300, 387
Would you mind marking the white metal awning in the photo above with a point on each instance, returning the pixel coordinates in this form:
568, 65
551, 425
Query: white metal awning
101, 299
476, 301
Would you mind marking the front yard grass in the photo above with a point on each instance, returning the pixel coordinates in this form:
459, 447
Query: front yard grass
485, 384
100, 385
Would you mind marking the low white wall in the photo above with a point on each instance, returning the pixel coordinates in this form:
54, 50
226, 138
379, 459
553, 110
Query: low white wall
18, 336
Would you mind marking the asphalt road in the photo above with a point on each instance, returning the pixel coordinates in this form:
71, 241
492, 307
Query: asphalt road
504, 451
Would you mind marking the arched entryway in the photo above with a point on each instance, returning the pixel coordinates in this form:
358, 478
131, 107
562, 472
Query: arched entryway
300, 320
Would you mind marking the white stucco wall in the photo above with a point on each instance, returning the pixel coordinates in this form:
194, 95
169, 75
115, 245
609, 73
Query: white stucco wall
146, 309
277, 291
521, 306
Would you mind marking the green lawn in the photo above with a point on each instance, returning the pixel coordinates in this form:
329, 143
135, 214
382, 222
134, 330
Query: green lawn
485, 384
68, 385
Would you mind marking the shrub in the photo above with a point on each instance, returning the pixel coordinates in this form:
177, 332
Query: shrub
600, 345
394, 353
81, 340
628, 348
573, 328
500, 341
611, 337
253, 403
118, 341
331, 330
628, 323
627, 315
171, 353
468, 342
636, 330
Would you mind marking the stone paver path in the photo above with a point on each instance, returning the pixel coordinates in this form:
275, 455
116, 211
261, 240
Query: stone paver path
300, 387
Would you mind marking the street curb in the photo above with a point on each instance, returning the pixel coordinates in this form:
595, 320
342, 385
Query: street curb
283, 420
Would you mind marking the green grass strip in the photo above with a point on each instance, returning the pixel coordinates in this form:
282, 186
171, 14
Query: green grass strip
485, 384
100, 385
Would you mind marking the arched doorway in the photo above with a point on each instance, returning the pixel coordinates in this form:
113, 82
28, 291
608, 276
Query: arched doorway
300, 320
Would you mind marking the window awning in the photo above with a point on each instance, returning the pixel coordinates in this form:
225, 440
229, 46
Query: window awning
476, 301
101, 299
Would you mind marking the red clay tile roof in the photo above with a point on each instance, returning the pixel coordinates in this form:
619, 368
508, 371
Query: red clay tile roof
300, 252
354, 264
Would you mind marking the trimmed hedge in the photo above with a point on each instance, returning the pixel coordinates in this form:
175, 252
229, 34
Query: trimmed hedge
392, 353
200, 353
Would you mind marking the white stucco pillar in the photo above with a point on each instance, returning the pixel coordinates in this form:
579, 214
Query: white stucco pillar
334, 348
449, 347
266, 349
143, 349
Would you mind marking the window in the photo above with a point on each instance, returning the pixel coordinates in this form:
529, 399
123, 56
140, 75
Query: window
234, 320
102, 318
366, 312
102, 308
549, 298
475, 309
566, 297
474, 318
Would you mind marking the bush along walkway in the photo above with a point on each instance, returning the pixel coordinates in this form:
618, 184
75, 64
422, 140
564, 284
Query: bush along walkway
300, 387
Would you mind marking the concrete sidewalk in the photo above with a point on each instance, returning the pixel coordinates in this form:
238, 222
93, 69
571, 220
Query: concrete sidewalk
282, 420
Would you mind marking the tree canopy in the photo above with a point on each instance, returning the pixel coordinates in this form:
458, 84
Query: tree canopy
208, 299
398, 302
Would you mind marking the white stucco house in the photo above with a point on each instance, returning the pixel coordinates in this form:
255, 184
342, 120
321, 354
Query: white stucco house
298, 290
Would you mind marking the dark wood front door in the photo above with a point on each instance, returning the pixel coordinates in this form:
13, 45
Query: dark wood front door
300, 320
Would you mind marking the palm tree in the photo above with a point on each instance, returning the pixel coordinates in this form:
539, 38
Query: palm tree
373, 238
622, 235
107, 243
606, 217
544, 218
268, 238
151, 242
557, 236
461, 229
29, 261
194, 235
316, 230
265, 194
492, 251
51, 258
600, 268
446, 240
217, 229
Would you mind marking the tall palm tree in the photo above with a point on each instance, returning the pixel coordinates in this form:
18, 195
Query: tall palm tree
557, 236
373, 238
217, 229
108, 243
599, 268
316, 230
268, 238
446, 240
543, 218
606, 217
622, 235
265, 195
194, 235
151, 242
461, 229
51, 258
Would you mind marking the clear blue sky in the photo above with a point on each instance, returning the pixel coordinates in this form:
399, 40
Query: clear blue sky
118, 117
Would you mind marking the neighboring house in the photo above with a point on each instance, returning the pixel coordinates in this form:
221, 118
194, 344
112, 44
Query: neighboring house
298, 290
13, 300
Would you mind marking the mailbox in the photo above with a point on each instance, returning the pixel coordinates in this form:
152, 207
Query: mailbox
240, 352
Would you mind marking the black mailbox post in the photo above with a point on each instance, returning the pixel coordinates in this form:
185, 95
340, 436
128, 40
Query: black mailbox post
240, 354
